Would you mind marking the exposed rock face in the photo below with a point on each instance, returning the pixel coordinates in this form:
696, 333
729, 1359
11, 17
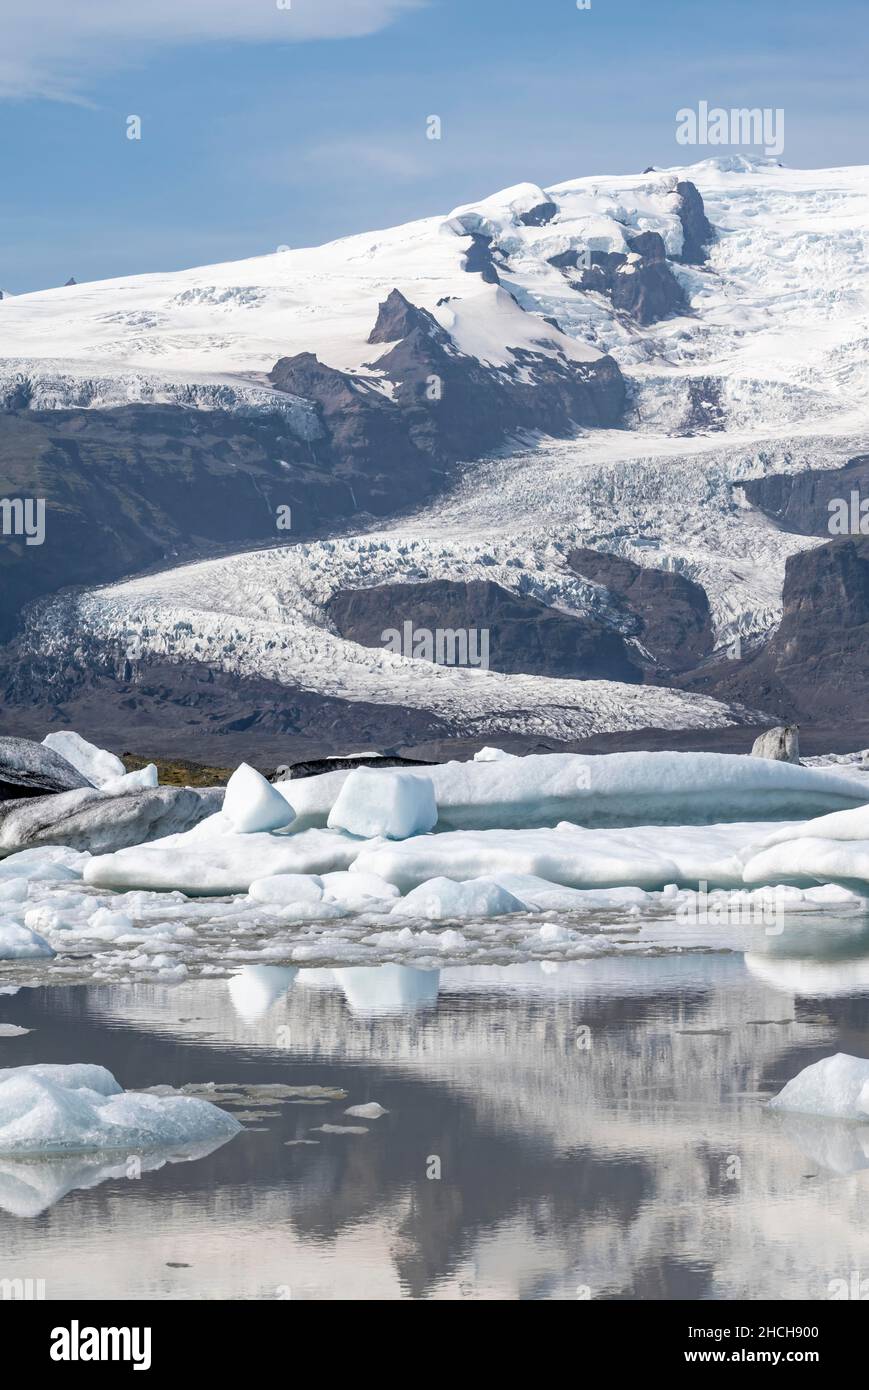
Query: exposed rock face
473, 409
815, 668
479, 260
538, 216
289, 772
156, 484
675, 624
30, 769
782, 744
90, 820
397, 318
641, 283
698, 232
523, 634
801, 502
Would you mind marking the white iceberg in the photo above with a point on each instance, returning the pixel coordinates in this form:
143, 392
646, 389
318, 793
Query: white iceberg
359, 891
251, 803
836, 1086
384, 802
443, 898
96, 764
50, 1109
608, 789
642, 857
803, 862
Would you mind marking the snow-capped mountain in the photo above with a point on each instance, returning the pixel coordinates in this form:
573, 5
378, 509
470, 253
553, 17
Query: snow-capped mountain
682, 336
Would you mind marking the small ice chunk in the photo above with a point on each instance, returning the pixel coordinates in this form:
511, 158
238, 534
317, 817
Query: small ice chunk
358, 890
384, 802
97, 765
443, 898
340, 1129
282, 889
371, 1111
837, 1086
492, 755
138, 781
20, 943
252, 804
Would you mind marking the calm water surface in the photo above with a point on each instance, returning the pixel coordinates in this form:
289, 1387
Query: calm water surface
591, 1130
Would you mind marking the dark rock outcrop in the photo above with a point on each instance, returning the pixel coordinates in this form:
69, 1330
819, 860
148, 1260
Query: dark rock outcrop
814, 670
138, 486
397, 318
524, 635
313, 767
674, 621
641, 284
473, 407
540, 215
479, 259
697, 231
29, 769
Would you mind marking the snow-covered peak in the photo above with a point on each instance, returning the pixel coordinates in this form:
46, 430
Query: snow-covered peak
778, 316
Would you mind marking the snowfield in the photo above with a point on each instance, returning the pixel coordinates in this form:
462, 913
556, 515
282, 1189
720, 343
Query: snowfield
779, 314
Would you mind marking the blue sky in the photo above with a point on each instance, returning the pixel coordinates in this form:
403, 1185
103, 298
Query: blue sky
264, 126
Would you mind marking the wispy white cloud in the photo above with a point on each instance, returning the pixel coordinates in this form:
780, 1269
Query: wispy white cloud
55, 48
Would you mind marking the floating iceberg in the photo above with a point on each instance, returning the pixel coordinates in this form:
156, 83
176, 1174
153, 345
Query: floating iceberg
609, 789
442, 898
388, 803
48, 1109
836, 1086
251, 803
570, 855
804, 862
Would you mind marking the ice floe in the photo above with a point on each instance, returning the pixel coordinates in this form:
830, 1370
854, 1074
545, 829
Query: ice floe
54, 1109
